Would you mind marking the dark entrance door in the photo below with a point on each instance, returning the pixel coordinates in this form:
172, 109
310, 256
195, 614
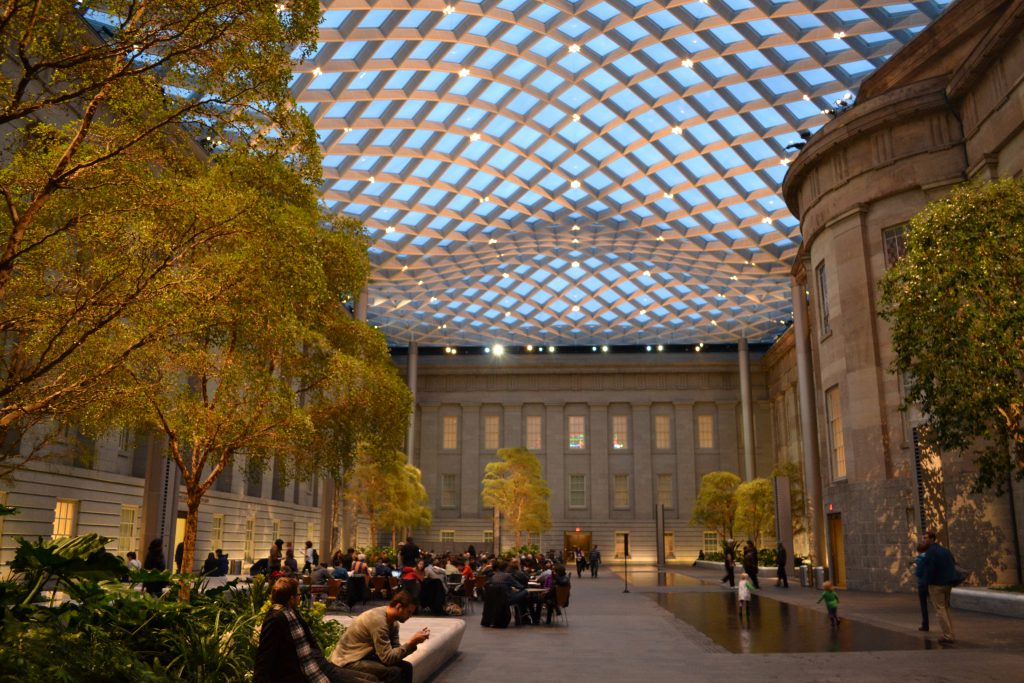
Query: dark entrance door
576, 539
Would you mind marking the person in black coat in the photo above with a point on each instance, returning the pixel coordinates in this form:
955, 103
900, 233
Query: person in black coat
781, 578
211, 566
155, 560
284, 635
750, 562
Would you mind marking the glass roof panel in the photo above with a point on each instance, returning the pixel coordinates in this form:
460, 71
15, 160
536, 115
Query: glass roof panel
642, 140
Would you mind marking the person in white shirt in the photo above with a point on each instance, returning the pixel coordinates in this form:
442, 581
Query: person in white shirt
133, 560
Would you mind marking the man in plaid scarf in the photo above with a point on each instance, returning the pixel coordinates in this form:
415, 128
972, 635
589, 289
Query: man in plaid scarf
288, 652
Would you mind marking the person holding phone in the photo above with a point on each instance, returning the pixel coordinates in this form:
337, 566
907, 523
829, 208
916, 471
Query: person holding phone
371, 643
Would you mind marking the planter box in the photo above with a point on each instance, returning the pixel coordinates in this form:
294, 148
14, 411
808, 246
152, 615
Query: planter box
1002, 603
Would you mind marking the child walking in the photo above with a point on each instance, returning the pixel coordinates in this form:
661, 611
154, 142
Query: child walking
743, 592
831, 599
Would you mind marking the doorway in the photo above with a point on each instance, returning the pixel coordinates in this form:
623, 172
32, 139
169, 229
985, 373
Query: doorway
836, 549
576, 539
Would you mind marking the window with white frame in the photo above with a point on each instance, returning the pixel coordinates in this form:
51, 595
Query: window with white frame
449, 491
275, 530
489, 536
620, 432
447, 536
662, 432
492, 425
217, 532
127, 534
65, 518
450, 432
666, 496
620, 498
577, 490
823, 311
834, 417
621, 544
124, 440
711, 542
577, 432
705, 431
533, 433
249, 547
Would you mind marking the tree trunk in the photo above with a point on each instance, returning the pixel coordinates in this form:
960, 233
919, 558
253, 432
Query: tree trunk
191, 531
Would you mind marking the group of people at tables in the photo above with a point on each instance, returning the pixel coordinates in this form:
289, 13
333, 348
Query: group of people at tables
370, 649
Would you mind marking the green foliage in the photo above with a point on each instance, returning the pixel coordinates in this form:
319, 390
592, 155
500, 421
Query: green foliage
715, 508
515, 487
755, 509
531, 549
388, 491
954, 304
111, 632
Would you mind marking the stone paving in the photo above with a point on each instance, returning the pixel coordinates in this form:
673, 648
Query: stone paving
617, 636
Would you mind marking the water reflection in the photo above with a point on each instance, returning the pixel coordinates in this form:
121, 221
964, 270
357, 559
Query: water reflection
774, 626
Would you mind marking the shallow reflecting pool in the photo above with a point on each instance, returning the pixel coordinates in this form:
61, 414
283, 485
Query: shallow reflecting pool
775, 626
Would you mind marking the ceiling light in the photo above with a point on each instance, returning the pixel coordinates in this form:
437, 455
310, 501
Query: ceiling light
390, 229
433, 299
807, 98
492, 241
766, 220
575, 241
575, 228
785, 162
647, 273
575, 264
529, 347
643, 311
373, 179
574, 48
687, 63
505, 275
604, 349
463, 72
660, 347
660, 238
668, 195
486, 198
714, 323
447, 349
474, 137
448, 9
575, 184
576, 308
317, 72
575, 117
405, 268
346, 130
593, 348
420, 283
839, 34
551, 349
677, 130
499, 350
487, 349
648, 347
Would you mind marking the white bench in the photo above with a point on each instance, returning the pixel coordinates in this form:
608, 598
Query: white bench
432, 655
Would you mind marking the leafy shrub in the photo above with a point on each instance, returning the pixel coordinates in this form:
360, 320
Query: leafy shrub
70, 596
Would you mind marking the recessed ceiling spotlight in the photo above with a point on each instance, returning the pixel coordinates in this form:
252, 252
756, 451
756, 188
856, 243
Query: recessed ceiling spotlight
668, 195
448, 9
661, 238
574, 48
505, 275
433, 299
575, 264
463, 72
575, 241
807, 98
643, 311
766, 220
486, 198
492, 241
499, 350
660, 347
390, 229
405, 268
647, 273
677, 130
372, 179
529, 347
551, 349
419, 282
593, 348
648, 347
785, 162
576, 308
474, 137
575, 117
317, 72
604, 349
575, 228
575, 184
687, 63
839, 34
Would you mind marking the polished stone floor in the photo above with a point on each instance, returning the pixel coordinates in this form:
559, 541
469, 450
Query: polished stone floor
681, 625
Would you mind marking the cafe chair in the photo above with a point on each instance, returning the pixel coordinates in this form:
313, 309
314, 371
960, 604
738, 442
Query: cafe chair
562, 601
379, 587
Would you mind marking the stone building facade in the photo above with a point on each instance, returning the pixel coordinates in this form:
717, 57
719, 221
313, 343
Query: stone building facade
946, 109
615, 433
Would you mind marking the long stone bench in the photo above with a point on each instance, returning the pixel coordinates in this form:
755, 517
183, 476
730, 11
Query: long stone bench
432, 655
989, 601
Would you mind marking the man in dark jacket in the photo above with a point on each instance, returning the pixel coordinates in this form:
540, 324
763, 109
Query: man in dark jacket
750, 562
783, 557
288, 652
938, 571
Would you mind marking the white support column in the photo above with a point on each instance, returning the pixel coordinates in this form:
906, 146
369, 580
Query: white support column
746, 402
412, 369
808, 424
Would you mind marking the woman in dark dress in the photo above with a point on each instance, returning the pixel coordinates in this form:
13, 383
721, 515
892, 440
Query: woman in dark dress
155, 560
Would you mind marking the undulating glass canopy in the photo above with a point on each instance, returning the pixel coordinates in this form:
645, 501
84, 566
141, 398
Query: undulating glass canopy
582, 172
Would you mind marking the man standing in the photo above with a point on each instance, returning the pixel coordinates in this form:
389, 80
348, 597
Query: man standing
288, 652
750, 562
595, 561
274, 559
409, 553
783, 557
938, 572
371, 645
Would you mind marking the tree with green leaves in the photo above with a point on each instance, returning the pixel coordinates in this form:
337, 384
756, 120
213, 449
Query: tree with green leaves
402, 502
515, 487
955, 308
755, 509
715, 507
104, 191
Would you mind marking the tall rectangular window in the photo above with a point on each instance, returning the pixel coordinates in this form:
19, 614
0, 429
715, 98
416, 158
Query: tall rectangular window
823, 315
310, 530
449, 491
705, 431
621, 491
670, 544
662, 432
447, 536
620, 432
492, 425
665, 493
127, 538
65, 518
450, 432
577, 490
834, 416
621, 544
711, 543
895, 242
577, 432
488, 536
249, 548
275, 530
124, 440
217, 532
533, 437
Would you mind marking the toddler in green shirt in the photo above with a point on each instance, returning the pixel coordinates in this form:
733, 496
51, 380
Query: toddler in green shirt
831, 599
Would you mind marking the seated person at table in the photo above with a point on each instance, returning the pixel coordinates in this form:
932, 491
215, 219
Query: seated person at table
383, 567
434, 589
517, 573
339, 572
543, 575
514, 590
291, 565
558, 577
319, 576
449, 567
371, 645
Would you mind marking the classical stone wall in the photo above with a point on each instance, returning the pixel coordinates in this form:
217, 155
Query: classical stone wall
639, 387
947, 108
